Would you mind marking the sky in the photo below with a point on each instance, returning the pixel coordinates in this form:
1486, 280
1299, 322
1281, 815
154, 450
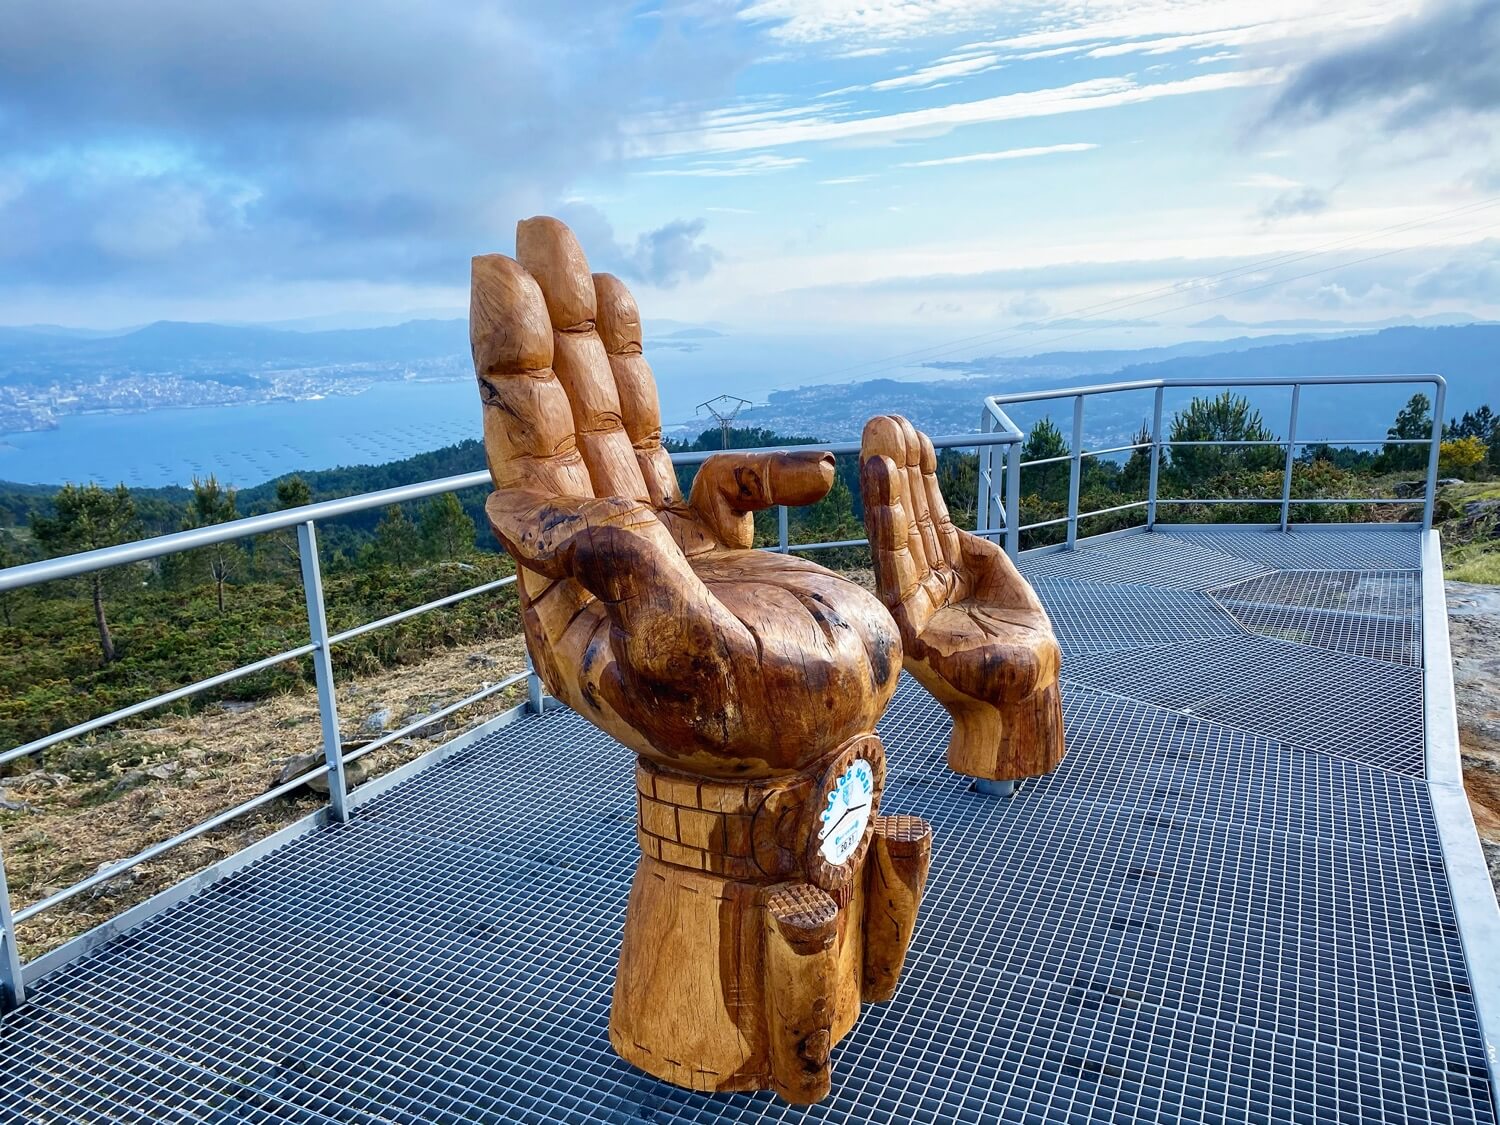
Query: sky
1066, 172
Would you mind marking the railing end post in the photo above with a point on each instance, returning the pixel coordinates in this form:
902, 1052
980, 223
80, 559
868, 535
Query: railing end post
12, 983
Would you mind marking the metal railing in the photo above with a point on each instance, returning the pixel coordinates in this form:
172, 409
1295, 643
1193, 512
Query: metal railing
998, 513
999, 500
319, 647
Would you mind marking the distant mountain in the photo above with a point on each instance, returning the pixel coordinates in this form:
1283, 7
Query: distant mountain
1347, 326
1468, 357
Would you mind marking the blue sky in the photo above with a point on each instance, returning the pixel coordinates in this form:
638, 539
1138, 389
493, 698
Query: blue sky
952, 166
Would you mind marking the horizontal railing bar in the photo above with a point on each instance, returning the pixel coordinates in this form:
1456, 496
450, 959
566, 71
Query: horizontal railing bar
1043, 523
1115, 449
1217, 500
829, 545
428, 720
380, 623
1047, 461
105, 874
1116, 508
1247, 381
1362, 441
158, 701
143, 550
1416, 500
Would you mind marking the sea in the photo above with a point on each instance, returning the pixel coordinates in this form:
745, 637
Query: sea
248, 444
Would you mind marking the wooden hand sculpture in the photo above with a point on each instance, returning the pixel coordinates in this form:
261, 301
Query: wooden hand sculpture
973, 631
769, 898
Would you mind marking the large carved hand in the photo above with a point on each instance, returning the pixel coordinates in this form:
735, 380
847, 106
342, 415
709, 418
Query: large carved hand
972, 628
646, 613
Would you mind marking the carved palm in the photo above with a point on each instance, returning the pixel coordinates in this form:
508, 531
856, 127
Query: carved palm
645, 612
973, 631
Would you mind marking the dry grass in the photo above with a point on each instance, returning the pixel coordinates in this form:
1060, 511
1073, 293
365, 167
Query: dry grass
103, 800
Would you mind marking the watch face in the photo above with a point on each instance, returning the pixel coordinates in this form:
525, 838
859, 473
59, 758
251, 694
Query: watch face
850, 803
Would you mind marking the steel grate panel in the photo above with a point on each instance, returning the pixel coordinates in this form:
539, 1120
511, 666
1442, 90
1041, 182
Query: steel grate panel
431, 969
1187, 921
1126, 753
1347, 548
1153, 558
1376, 614
1102, 616
1366, 710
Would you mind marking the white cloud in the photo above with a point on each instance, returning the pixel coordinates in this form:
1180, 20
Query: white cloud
846, 180
746, 128
938, 72
758, 165
1043, 25
1006, 154
1268, 180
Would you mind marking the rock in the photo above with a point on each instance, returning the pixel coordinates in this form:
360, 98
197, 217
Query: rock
297, 765
481, 660
1478, 509
121, 882
164, 771
377, 722
14, 806
131, 779
236, 706
354, 774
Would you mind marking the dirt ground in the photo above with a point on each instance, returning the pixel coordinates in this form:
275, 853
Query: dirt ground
108, 798
1474, 628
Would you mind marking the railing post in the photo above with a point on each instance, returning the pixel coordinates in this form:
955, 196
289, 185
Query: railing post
1013, 499
782, 527
536, 691
1075, 471
12, 986
1440, 393
322, 657
982, 482
1155, 461
1291, 453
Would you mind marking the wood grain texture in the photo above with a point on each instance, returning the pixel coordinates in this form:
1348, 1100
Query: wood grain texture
972, 629
748, 683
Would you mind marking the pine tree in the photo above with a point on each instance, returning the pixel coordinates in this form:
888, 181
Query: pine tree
214, 504
1224, 417
396, 542
1413, 423
447, 530
88, 518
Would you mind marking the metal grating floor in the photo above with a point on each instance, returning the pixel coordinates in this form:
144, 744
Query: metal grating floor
1238, 916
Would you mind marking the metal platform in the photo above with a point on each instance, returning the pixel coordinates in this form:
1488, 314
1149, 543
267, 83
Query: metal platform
1232, 902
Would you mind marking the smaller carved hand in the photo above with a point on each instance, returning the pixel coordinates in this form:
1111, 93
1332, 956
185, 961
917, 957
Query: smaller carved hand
973, 630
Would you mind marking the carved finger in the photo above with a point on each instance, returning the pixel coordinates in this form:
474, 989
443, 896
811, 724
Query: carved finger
619, 324
942, 522
528, 427
916, 487
885, 437
552, 255
730, 486
898, 576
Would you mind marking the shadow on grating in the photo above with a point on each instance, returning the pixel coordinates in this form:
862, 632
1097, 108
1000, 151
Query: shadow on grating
1104, 616
1366, 710
1152, 558
1346, 548
1375, 614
